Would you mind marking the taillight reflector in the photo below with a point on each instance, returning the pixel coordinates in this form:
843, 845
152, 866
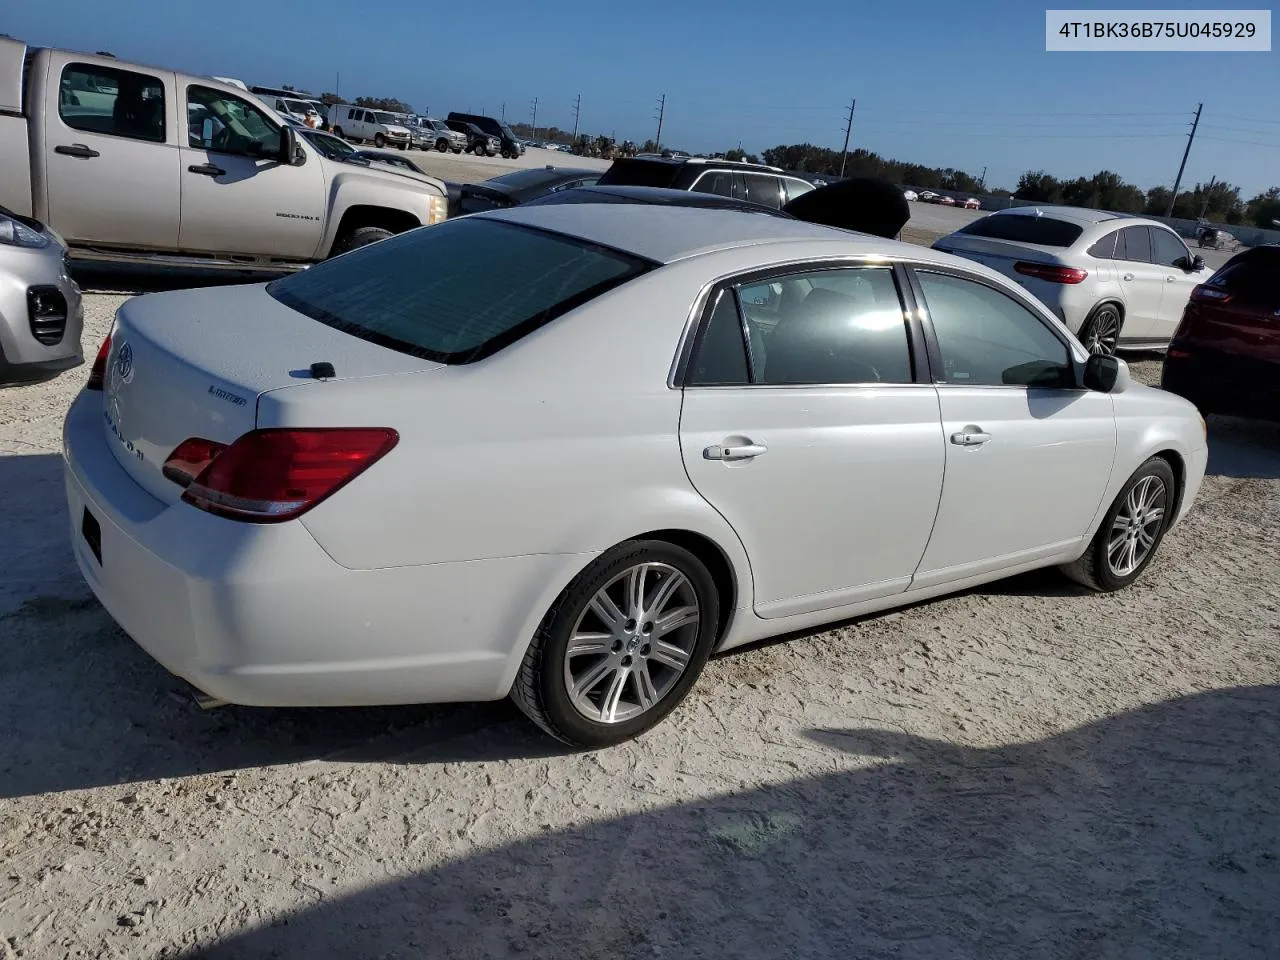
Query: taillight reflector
277, 474
98, 372
1203, 294
1051, 272
190, 458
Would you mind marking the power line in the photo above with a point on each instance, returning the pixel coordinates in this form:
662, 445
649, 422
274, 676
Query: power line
1248, 143
1261, 133
1247, 119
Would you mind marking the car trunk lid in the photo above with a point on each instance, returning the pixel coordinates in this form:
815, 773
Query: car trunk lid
194, 364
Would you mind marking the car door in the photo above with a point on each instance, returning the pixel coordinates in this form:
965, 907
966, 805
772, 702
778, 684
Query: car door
804, 424
1141, 283
111, 160
1028, 453
1172, 257
237, 195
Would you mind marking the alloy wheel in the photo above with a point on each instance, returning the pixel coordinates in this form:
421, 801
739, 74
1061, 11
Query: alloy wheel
1137, 526
1104, 332
632, 643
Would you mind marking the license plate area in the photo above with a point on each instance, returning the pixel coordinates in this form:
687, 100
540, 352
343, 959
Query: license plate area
91, 530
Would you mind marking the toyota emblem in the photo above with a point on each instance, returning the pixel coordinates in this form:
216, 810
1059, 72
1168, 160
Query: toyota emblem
124, 363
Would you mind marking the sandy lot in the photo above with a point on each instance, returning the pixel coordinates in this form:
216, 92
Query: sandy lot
1022, 771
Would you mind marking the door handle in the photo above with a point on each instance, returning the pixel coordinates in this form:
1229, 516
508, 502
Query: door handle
741, 451
76, 150
970, 436
1127, 276
207, 170
1170, 279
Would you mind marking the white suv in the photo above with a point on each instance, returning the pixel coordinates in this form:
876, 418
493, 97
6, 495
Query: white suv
361, 123
1115, 280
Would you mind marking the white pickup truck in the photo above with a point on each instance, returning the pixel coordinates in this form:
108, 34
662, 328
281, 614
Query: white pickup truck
138, 164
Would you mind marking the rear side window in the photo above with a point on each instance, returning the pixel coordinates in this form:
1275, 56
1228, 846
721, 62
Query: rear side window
633, 172
458, 291
721, 355
119, 103
1018, 228
764, 189
797, 188
1134, 245
1105, 248
719, 182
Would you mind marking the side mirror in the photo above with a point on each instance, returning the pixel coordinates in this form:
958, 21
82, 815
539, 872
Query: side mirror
1197, 263
291, 152
1101, 373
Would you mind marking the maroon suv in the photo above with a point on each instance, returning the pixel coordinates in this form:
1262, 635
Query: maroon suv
1225, 355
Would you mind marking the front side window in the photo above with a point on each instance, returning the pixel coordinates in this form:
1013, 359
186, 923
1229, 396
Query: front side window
987, 338
841, 326
457, 292
220, 122
1166, 249
118, 103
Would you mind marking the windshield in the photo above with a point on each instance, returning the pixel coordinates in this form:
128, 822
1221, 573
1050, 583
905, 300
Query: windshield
386, 118
640, 173
299, 106
331, 147
458, 291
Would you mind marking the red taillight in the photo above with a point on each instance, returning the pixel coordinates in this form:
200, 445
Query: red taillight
1203, 294
190, 459
276, 474
1177, 353
98, 372
1051, 272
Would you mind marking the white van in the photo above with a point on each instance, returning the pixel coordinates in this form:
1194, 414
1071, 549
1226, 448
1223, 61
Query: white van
361, 123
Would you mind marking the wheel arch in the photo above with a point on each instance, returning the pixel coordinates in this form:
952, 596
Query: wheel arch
1179, 467
370, 215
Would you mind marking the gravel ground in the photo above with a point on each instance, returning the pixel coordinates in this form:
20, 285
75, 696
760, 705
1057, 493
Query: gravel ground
1021, 771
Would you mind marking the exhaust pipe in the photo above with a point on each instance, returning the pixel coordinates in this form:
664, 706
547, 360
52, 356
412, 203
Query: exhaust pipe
203, 700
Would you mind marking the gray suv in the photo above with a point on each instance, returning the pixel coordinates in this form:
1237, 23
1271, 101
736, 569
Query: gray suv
40, 312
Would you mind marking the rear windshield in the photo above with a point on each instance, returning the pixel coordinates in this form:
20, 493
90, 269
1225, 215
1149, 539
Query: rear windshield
1025, 229
525, 178
640, 173
1251, 274
458, 291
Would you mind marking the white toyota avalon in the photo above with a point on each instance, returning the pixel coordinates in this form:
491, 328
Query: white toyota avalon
565, 452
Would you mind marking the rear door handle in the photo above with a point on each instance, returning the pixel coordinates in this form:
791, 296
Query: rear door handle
76, 150
970, 436
207, 170
1170, 279
742, 451
1127, 276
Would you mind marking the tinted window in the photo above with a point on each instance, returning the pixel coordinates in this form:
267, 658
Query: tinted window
641, 173
1105, 248
115, 102
796, 188
526, 178
764, 189
1252, 275
832, 326
227, 124
720, 357
719, 182
1137, 245
458, 291
1166, 248
1023, 228
987, 338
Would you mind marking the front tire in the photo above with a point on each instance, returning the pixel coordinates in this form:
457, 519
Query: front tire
442, 145
480, 151
361, 237
1100, 333
379, 141
622, 645
1131, 530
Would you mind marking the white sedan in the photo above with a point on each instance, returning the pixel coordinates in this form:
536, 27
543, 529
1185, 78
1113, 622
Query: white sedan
565, 452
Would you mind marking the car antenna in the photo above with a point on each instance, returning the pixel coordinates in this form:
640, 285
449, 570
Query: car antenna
323, 371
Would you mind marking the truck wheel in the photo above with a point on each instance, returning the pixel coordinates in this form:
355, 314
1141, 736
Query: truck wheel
361, 237
442, 145
379, 141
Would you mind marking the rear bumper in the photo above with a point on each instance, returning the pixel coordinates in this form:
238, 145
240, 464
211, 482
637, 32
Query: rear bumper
1223, 383
259, 614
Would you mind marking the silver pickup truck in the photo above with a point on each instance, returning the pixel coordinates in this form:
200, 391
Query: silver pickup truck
132, 163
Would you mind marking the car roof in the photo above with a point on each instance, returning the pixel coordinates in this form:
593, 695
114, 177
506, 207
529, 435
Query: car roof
1080, 215
659, 195
667, 233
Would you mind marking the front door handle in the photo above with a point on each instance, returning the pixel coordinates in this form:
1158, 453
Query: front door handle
76, 150
970, 436
207, 170
741, 451
1170, 279
1127, 276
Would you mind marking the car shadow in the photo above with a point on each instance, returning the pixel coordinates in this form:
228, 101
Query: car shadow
1147, 834
1244, 449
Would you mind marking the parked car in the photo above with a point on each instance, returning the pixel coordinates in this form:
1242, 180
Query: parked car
928, 196
654, 195
742, 181
478, 142
972, 203
910, 195
509, 145
1116, 281
1225, 355
40, 310
521, 186
945, 200
88, 145
428, 134
274, 519
361, 124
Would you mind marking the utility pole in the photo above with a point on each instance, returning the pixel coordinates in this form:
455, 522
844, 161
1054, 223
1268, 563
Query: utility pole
503, 111
1183, 166
662, 109
535, 118
1204, 207
577, 108
848, 129
337, 82
982, 181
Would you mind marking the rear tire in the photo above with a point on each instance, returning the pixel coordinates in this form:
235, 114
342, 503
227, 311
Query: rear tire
361, 237
1100, 332
629, 663
1131, 530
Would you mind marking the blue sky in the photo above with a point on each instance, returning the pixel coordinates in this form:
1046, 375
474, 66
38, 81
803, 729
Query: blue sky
946, 84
